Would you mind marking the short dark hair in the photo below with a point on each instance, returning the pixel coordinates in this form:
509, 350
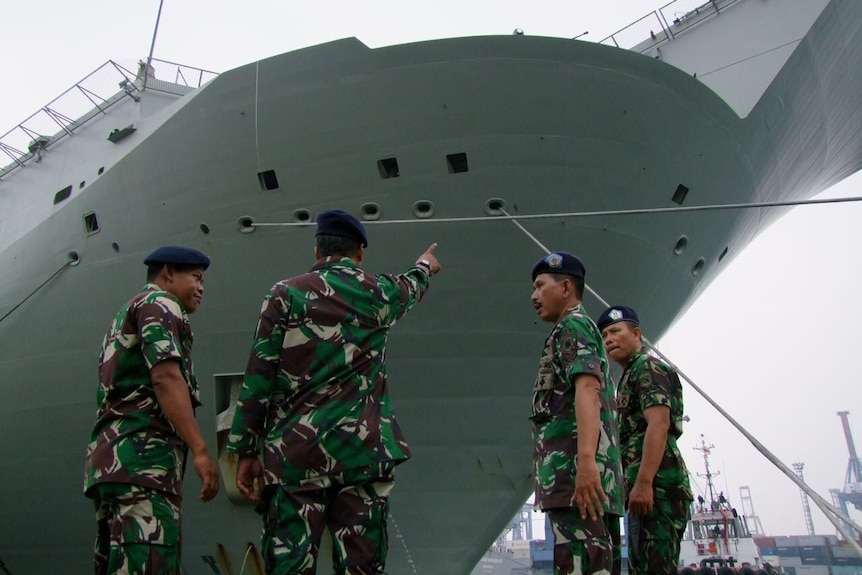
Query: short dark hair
153, 270
577, 283
336, 246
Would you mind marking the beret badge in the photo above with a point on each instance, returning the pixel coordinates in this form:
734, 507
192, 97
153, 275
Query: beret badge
554, 260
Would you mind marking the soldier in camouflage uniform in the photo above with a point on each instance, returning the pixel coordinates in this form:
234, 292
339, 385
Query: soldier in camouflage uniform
145, 421
649, 415
577, 456
315, 400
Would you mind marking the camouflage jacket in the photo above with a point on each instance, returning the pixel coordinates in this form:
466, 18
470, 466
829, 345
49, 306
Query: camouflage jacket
132, 441
314, 396
648, 382
574, 347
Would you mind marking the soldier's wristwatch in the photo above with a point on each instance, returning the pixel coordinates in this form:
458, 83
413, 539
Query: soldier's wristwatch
425, 264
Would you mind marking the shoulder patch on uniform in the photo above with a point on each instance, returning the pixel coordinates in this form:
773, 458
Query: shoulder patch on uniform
568, 347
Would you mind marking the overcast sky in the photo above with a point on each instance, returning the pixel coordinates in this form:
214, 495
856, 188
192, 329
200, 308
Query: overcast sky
774, 338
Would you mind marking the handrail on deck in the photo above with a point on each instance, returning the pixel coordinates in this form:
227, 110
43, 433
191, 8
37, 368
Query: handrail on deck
664, 24
90, 98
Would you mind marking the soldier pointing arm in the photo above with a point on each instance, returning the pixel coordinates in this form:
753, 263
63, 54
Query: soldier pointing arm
315, 401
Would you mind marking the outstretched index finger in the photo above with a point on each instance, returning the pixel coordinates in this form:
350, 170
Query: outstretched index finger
431, 248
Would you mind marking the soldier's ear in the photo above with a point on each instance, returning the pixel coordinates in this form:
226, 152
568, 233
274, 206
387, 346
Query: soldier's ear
167, 272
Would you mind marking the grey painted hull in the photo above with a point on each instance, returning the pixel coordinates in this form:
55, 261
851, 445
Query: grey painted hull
547, 125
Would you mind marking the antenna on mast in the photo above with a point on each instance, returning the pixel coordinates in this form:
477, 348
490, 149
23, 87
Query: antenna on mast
705, 449
149, 66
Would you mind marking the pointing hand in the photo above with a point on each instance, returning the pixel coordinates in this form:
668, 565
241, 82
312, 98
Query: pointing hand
428, 258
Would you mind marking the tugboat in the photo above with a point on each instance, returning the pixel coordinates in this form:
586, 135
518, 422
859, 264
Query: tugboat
717, 536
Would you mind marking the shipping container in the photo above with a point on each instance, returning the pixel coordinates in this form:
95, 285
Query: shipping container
854, 561
811, 541
783, 551
767, 550
765, 542
846, 570
786, 541
813, 551
843, 552
791, 560
812, 570
817, 560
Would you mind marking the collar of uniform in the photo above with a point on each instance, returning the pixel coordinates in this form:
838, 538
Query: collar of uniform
153, 287
634, 356
577, 308
334, 261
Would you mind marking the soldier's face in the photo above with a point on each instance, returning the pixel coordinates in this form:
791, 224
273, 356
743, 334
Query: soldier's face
187, 285
551, 297
621, 340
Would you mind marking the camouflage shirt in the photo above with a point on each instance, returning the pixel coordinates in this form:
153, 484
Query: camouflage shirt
574, 347
133, 442
648, 382
314, 395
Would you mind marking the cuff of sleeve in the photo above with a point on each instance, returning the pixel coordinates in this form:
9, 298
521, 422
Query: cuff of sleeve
244, 449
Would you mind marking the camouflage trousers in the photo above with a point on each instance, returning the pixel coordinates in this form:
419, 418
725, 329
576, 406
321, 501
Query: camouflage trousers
354, 506
654, 539
138, 530
585, 546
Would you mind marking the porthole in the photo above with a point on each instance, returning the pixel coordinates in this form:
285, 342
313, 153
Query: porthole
423, 209
370, 211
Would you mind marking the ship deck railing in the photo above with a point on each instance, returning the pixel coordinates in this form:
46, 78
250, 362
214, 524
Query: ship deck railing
665, 24
90, 98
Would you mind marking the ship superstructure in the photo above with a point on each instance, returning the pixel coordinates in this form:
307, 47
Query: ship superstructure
717, 534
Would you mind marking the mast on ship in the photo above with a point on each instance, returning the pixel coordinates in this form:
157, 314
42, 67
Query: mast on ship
710, 488
714, 505
717, 534
148, 71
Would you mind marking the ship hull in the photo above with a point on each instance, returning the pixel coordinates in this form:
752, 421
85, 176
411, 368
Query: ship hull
546, 125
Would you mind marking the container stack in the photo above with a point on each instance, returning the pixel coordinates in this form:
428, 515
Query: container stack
845, 561
810, 555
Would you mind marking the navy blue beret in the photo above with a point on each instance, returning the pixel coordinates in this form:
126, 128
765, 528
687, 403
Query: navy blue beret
178, 256
342, 224
560, 263
617, 313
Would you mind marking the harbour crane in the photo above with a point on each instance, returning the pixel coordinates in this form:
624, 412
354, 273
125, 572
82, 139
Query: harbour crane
851, 494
